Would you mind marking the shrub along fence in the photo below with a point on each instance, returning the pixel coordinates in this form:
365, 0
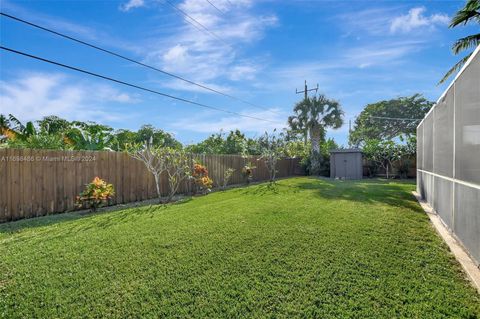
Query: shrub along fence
411, 170
41, 182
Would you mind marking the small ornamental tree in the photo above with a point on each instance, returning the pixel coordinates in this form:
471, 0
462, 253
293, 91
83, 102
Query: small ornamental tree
406, 155
271, 148
96, 194
178, 168
154, 159
382, 153
227, 174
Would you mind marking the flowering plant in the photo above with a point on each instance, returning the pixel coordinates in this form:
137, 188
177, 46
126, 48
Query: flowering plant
96, 193
247, 171
203, 181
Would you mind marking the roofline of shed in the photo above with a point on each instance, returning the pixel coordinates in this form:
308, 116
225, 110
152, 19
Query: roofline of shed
351, 150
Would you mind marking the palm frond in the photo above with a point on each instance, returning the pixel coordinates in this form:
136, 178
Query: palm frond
454, 69
465, 43
470, 11
18, 125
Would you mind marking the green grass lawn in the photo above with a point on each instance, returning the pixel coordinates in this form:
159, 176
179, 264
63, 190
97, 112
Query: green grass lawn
305, 248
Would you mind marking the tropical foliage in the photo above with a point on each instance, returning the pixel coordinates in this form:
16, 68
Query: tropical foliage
234, 143
53, 132
390, 119
469, 13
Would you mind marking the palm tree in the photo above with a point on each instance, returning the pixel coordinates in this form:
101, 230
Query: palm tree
470, 12
313, 116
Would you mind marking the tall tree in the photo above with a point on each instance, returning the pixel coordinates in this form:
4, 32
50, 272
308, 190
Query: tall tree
53, 125
384, 120
157, 137
314, 116
234, 143
469, 13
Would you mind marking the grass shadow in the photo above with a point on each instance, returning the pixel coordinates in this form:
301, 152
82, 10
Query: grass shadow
264, 189
369, 191
102, 218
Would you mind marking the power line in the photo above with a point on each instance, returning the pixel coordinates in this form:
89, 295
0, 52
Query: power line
132, 60
215, 7
394, 118
129, 84
196, 21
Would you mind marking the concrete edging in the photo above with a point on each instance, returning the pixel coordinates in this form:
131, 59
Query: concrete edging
467, 263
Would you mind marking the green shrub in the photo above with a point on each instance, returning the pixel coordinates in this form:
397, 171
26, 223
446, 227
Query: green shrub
96, 194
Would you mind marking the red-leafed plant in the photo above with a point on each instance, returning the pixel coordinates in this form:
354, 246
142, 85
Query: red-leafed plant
202, 180
96, 194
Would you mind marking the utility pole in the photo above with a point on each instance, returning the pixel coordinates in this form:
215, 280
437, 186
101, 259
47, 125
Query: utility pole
306, 90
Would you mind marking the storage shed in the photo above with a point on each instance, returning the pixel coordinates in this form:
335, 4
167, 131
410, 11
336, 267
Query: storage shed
346, 164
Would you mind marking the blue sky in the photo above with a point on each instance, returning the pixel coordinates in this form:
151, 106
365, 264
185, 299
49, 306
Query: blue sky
358, 52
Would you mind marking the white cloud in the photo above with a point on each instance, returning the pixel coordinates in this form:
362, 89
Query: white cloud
416, 19
131, 4
34, 95
243, 72
201, 56
374, 21
211, 124
86, 30
380, 53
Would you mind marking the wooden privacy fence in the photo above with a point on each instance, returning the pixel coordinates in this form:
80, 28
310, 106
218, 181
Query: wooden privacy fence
41, 182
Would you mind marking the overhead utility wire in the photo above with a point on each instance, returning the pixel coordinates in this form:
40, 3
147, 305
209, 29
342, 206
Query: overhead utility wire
129, 84
215, 7
394, 118
132, 60
196, 21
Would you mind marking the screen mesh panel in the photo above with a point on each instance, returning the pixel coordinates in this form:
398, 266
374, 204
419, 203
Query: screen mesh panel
420, 186
467, 124
467, 218
427, 182
443, 139
448, 145
420, 146
443, 200
428, 143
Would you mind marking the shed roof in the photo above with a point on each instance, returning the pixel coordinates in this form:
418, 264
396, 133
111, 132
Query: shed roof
347, 150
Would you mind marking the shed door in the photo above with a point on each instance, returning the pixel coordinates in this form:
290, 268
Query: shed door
341, 165
351, 166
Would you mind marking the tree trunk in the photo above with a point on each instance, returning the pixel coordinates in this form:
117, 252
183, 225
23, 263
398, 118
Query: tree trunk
157, 185
315, 158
